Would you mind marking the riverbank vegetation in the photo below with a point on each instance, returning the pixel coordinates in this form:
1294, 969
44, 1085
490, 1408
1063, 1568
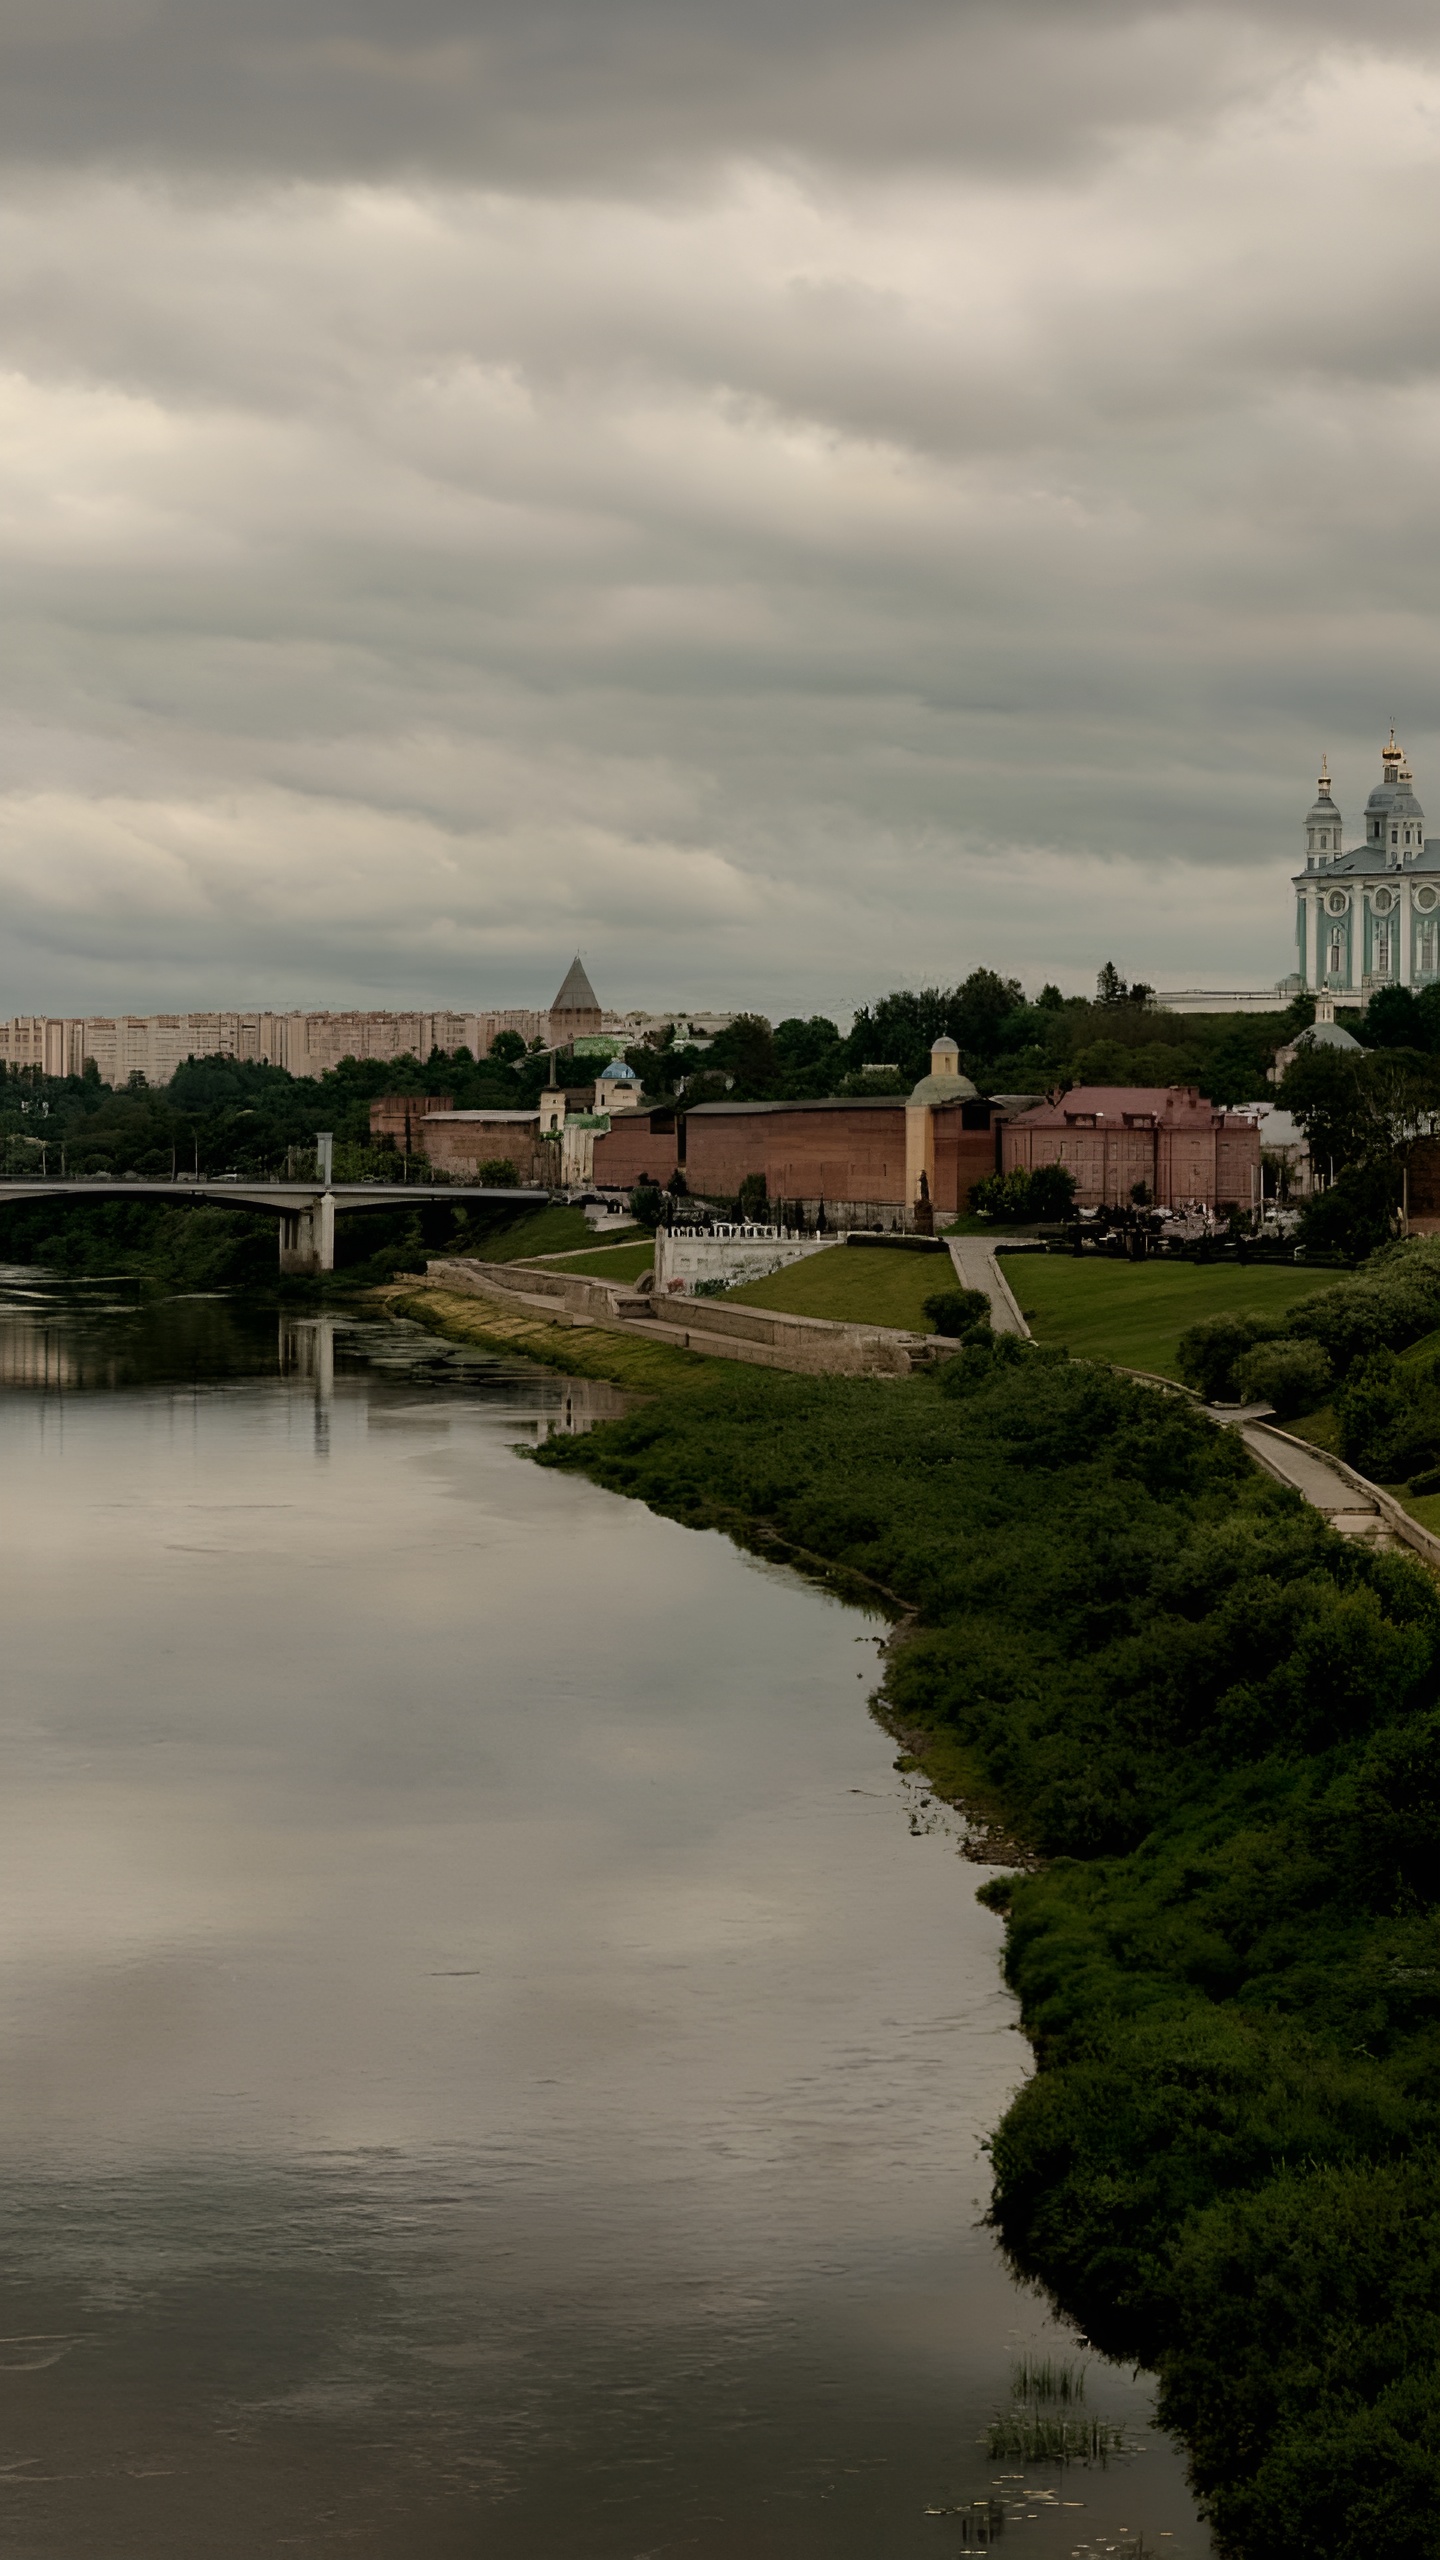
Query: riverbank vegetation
1215, 1724
580, 1351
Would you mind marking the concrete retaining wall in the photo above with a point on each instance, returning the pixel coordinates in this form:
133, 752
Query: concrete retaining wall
684, 1260
808, 1344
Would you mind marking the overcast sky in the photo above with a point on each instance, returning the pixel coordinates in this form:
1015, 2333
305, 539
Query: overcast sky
790, 499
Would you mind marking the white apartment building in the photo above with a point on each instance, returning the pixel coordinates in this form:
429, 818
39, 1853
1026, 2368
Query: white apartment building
155, 1044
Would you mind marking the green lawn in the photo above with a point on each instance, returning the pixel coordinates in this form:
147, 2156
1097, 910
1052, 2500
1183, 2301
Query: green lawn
1135, 1312
542, 1231
855, 1285
607, 1261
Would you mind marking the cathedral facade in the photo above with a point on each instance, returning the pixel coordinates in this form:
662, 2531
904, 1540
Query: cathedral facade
1368, 916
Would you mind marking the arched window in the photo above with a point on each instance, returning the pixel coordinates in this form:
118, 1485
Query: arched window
1427, 940
1382, 950
1337, 951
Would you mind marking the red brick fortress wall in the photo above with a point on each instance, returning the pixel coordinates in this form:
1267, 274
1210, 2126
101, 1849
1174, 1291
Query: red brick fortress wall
963, 1156
639, 1146
459, 1147
399, 1116
806, 1151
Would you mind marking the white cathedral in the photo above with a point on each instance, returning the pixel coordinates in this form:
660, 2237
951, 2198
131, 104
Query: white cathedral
1369, 917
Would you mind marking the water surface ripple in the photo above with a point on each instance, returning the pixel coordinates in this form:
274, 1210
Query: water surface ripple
495, 2060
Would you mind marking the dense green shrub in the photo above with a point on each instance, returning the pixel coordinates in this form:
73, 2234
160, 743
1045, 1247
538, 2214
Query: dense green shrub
1210, 1353
1388, 1416
1392, 1301
1022, 1198
957, 1312
1358, 1214
1219, 1723
647, 1204
1293, 1376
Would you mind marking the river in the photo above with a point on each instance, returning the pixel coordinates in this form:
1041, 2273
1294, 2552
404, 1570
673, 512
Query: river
495, 2059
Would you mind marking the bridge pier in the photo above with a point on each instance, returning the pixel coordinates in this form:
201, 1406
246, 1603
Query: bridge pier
307, 1235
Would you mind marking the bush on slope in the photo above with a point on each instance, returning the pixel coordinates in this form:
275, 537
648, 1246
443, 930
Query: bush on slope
1219, 1721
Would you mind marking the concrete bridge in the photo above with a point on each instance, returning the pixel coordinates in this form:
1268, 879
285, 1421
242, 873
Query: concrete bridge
306, 1211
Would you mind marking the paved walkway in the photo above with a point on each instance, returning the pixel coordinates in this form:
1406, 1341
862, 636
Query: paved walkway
1355, 1513
977, 1268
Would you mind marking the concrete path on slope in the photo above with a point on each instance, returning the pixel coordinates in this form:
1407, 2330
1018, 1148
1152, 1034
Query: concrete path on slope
977, 1268
1347, 1502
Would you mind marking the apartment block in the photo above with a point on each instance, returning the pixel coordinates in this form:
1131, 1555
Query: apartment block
155, 1044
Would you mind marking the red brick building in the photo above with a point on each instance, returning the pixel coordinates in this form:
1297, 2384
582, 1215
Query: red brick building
850, 1154
1184, 1149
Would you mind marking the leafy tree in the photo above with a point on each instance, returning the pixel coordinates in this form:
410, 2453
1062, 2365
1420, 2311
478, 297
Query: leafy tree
1209, 1355
901, 1029
958, 1312
1293, 1376
980, 1010
1355, 1214
746, 1050
647, 1204
1046, 1192
1324, 1090
1361, 1111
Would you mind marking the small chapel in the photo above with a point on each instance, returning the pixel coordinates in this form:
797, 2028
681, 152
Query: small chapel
1368, 915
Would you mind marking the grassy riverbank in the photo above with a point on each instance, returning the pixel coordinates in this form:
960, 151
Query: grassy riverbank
1216, 1724
580, 1351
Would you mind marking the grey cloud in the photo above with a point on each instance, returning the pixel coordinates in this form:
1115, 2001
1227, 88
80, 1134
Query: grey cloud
627, 93
805, 579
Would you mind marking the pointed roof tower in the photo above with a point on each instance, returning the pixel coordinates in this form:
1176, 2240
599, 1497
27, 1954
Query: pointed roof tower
1394, 819
576, 1009
1322, 827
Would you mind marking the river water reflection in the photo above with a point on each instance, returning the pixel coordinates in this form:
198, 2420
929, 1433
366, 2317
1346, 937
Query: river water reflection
495, 2061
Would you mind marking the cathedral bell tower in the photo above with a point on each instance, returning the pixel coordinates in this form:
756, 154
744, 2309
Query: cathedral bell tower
1322, 827
1394, 819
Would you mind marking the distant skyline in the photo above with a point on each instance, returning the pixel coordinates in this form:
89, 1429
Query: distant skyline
789, 504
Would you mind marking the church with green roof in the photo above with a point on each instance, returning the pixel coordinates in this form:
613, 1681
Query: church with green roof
1368, 914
